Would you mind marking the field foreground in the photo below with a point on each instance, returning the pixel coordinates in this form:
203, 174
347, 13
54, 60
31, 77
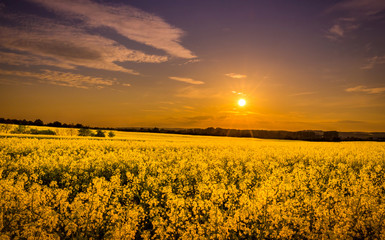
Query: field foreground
190, 187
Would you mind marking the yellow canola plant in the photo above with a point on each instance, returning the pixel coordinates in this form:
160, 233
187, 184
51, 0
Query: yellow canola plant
165, 187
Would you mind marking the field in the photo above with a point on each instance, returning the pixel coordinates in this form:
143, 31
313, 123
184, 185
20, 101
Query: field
143, 186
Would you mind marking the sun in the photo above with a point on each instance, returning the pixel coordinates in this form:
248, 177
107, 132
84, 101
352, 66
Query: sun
241, 102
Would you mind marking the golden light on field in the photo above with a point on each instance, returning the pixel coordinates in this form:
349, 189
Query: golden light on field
241, 102
145, 161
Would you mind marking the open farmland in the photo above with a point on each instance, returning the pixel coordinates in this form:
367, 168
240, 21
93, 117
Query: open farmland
143, 186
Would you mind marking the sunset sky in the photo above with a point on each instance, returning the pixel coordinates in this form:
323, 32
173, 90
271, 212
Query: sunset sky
177, 63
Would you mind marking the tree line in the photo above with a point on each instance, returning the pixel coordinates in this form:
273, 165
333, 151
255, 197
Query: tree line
23, 129
39, 122
308, 135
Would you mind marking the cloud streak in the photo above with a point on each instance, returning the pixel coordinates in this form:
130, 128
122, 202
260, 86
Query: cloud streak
128, 21
19, 59
359, 7
63, 79
355, 13
235, 75
302, 94
366, 89
372, 62
186, 80
336, 30
40, 41
342, 27
192, 92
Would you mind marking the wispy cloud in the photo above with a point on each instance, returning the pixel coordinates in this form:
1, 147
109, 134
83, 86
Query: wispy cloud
64, 79
366, 89
236, 75
187, 80
350, 122
354, 13
22, 59
341, 27
240, 113
335, 31
197, 93
238, 93
372, 62
188, 107
302, 94
359, 7
128, 21
199, 118
195, 60
39, 41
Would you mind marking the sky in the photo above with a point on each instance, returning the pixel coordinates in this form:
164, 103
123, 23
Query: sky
185, 64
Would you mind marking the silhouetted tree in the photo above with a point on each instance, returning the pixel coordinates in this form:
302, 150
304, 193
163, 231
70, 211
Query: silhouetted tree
210, 131
56, 124
42, 132
84, 132
100, 133
331, 136
38, 122
111, 134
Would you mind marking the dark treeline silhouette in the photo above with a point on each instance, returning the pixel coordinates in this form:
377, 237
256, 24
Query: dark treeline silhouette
39, 122
308, 135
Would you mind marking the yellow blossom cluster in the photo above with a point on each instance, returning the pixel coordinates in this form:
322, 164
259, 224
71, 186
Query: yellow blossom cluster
187, 187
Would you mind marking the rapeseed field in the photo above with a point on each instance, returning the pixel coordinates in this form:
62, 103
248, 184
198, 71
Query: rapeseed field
158, 186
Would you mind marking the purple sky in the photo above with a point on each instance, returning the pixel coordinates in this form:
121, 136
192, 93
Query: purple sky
298, 64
